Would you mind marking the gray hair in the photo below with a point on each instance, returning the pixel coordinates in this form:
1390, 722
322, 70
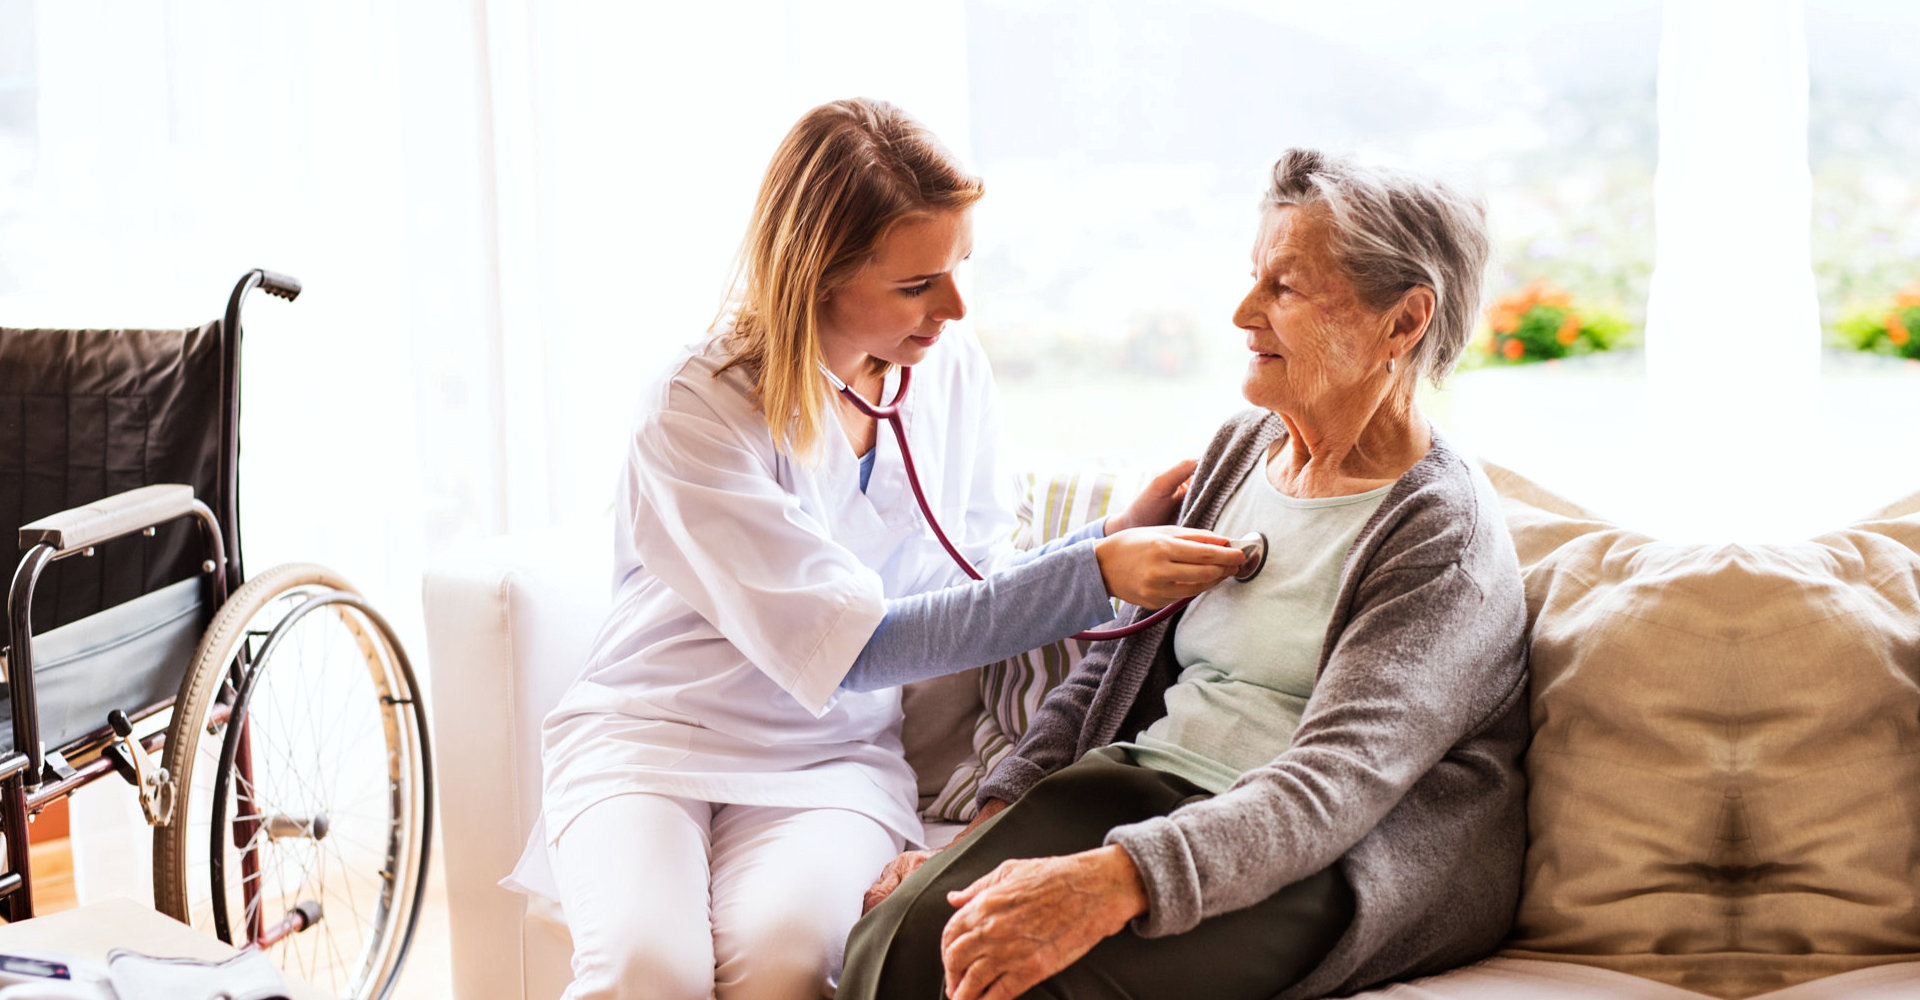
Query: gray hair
1393, 232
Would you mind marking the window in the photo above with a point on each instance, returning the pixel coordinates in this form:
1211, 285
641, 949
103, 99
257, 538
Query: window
1863, 138
1126, 147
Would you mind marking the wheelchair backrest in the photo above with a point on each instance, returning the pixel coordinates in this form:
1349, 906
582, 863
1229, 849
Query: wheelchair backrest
85, 414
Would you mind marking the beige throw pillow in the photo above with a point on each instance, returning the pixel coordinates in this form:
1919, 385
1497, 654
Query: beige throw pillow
1725, 770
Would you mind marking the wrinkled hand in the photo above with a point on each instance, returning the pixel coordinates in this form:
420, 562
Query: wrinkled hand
1158, 503
891, 876
1030, 918
906, 864
1153, 567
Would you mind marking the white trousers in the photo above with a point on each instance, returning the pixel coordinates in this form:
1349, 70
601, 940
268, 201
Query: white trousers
671, 898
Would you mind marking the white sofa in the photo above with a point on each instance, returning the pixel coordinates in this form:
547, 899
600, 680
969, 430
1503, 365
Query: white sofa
509, 623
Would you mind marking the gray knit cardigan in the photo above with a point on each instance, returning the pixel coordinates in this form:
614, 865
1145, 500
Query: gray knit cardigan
1405, 769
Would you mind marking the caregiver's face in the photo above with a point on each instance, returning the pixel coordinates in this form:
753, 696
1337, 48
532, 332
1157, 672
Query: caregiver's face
895, 306
1313, 342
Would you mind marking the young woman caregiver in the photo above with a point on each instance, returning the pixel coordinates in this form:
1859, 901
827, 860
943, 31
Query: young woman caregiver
725, 778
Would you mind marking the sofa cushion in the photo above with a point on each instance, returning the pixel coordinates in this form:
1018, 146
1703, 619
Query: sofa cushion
937, 734
1726, 750
1899, 508
1503, 978
1012, 689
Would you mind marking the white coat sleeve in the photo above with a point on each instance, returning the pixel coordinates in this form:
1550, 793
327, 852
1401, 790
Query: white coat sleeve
710, 520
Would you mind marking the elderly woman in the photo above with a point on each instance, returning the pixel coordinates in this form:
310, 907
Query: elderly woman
1309, 783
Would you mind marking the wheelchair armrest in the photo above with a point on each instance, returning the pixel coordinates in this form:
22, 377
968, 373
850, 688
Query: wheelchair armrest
109, 517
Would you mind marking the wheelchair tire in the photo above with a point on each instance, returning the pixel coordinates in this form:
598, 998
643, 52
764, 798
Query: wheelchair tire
301, 684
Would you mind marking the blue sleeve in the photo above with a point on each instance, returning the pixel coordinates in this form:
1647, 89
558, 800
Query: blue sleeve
1052, 593
1093, 530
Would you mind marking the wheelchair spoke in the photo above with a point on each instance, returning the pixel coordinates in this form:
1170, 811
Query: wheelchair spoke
353, 904
330, 812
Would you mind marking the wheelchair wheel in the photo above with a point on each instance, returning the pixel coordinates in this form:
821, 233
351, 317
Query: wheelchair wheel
303, 796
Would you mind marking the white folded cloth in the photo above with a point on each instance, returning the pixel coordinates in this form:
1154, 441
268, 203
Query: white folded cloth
249, 975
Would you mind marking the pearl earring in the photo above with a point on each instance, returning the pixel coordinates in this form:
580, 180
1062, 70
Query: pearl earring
1389, 366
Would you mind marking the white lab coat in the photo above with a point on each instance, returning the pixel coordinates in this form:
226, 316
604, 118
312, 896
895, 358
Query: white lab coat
746, 583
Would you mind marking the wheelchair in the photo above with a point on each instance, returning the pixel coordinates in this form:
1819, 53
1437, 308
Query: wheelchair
271, 726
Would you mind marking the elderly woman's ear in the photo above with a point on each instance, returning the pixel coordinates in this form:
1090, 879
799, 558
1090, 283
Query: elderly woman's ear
1411, 317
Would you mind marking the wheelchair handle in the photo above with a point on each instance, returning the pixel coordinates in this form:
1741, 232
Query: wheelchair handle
282, 285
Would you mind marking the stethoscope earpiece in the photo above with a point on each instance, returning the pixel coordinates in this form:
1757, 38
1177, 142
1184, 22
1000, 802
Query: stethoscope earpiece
1254, 546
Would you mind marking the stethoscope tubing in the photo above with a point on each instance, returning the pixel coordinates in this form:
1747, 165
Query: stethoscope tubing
891, 414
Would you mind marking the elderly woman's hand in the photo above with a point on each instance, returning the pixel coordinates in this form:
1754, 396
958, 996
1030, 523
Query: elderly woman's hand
906, 864
1158, 503
890, 878
1030, 918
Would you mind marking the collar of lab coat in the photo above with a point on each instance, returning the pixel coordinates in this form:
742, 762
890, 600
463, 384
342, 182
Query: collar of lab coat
888, 503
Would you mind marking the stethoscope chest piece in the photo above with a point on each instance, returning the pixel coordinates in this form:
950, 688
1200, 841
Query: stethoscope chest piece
1254, 545
1255, 548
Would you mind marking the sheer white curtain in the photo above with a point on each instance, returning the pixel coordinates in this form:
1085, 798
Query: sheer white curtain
1733, 328
177, 145
172, 147
504, 212
627, 144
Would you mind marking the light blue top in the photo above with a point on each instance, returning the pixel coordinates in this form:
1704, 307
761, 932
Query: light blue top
1249, 651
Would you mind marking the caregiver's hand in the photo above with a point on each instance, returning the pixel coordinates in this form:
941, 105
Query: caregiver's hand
1153, 567
1030, 918
1158, 503
906, 864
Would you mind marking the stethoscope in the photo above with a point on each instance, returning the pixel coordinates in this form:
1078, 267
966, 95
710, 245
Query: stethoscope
1253, 546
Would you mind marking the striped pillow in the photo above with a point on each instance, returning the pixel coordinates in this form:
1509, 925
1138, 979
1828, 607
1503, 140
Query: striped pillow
1012, 689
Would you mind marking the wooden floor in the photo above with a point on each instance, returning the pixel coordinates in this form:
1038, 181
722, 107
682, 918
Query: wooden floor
428, 976
52, 877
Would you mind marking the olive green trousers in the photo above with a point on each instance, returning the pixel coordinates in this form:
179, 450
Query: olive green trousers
1254, 953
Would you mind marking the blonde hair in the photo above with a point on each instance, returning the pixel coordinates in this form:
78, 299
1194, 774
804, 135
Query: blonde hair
844, 176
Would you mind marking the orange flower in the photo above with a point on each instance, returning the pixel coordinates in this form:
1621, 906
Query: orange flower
1897, 330
1539, 293
1506, 313
1907, 299
1513, 348
1548, 295
1570, 330
1505, 318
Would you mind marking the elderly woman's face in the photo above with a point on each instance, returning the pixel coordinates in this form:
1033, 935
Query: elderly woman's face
1314, 343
